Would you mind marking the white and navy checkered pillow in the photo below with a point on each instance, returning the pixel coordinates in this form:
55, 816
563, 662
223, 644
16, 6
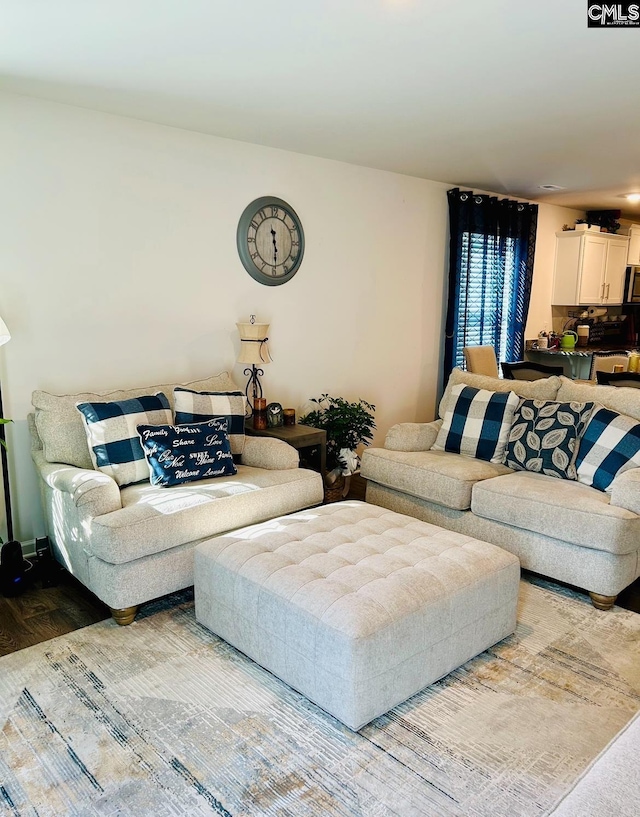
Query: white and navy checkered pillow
477, 423
200, 406
114, 444
609, 445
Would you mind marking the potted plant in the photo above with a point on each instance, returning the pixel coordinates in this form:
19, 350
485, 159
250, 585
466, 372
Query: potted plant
348, 425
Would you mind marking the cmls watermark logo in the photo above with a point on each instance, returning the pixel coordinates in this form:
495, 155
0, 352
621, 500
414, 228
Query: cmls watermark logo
613, 15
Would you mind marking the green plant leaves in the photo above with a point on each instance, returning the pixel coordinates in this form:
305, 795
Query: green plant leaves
347, 424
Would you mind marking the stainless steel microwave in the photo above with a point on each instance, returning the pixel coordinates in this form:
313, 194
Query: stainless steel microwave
633, 285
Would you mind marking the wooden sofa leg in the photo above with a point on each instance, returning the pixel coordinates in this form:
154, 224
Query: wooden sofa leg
124, 617
602, 602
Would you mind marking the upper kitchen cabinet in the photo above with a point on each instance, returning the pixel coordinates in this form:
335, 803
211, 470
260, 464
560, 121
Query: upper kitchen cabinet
633, 256
589, 268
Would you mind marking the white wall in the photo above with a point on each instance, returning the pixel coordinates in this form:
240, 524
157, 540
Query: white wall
550, 220
118, 267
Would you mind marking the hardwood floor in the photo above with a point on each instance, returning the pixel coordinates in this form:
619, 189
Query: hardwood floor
41, 613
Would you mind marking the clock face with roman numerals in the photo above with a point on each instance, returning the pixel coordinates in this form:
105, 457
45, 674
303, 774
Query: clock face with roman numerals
270, 240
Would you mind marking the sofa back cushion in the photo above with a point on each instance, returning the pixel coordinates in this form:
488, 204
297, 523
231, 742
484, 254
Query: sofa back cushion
617, 398
545, 389
61, 428
477, 423
112, 434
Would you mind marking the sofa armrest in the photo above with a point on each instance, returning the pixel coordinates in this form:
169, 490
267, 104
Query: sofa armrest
412, 436
269, 453
92, 492
625, 490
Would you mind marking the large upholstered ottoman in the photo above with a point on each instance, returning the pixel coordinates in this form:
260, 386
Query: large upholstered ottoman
355, 606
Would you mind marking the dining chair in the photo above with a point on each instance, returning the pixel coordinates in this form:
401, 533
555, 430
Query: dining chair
628, 379
526, 370
605, 361
481, 360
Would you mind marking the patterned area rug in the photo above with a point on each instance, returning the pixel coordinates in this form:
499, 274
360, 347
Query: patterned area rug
162, 718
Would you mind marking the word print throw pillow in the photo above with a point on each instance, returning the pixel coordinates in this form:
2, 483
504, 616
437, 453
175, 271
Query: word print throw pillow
544, 437
186, 453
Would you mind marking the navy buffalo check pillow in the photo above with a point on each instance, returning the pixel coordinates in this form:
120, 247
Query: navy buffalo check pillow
610, 445
476, 423
186, 453
197, 406
113, 440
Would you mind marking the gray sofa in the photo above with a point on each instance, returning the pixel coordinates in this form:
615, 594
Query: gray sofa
133, 544
559, 528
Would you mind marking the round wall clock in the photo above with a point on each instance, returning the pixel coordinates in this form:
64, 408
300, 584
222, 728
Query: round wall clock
270, 240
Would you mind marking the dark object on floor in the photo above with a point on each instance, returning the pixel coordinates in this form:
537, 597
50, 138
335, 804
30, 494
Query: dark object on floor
47, 569
14, 569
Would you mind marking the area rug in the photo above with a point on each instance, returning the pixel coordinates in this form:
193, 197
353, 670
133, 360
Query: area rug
162, 718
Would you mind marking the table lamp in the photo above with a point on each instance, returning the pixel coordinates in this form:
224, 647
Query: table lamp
255, 352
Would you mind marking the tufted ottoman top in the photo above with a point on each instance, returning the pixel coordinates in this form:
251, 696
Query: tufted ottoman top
355, 606
356, 566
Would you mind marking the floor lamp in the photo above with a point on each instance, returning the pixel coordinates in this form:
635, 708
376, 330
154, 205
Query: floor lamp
12, 563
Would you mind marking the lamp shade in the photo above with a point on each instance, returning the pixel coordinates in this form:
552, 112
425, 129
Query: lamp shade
253, 343
5, 335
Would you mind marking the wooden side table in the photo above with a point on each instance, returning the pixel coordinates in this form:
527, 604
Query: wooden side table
300, 437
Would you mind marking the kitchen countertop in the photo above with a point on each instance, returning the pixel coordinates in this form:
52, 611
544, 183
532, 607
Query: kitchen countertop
584, 351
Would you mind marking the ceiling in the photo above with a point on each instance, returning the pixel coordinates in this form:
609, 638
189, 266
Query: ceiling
498, 95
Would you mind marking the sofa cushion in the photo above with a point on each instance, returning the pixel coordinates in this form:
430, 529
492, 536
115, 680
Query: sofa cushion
544, 389
155, 519
544, 437
437, 476
609, 446
476, 423
197, 406
562, 509
61, 428
114, 444
187, 453
623, 400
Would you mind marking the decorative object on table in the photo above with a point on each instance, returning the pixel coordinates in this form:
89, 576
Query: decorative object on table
260, 414
289, 415
543, 340
568, 340
254, 351
583, 334
275, 417
270, 240
347, 425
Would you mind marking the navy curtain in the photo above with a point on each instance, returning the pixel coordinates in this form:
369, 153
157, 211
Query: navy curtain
492, 244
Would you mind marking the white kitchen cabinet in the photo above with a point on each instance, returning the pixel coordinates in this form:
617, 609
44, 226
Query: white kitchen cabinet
633, 256
589, 268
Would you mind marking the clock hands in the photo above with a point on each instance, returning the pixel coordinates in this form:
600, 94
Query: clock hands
275, 246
